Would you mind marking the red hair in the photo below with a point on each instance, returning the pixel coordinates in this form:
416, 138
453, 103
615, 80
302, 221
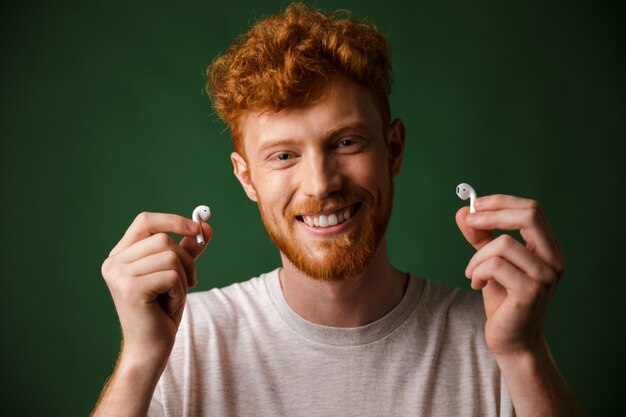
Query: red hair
285, 60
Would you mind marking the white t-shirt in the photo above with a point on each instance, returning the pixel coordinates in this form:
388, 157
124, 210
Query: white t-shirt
242, 351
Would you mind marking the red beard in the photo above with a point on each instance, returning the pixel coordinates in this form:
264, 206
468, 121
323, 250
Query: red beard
347, 254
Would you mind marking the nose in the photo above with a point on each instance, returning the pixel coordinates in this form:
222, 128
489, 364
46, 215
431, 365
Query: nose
320, 177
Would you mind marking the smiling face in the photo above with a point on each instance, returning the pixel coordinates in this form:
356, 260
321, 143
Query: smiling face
323, 178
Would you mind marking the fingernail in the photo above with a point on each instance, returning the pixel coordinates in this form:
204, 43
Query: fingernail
193, 226
471, 218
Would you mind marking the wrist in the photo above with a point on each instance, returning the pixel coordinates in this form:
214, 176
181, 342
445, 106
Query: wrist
143, 372
149, 362
525, 359
142, 353
536, 386
131, 387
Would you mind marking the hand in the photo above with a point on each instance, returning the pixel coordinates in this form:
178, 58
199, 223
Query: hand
148, 274
517, 281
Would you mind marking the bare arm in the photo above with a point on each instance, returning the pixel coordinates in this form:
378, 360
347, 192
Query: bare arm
536, 385
130, 388
148, 274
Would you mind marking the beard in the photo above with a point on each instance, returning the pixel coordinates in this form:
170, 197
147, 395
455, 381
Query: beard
345, 255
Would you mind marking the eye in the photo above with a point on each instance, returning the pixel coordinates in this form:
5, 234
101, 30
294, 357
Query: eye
284, 156
350, 144
346, 142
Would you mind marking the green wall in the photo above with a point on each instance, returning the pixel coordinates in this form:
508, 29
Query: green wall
103, 116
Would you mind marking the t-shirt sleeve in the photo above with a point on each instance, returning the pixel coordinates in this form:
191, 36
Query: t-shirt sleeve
506, 404
156, 404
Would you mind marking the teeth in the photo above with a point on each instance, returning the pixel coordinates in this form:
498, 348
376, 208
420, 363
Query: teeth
326, 221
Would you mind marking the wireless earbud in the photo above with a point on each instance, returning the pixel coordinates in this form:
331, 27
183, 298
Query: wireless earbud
201, 213
465, 191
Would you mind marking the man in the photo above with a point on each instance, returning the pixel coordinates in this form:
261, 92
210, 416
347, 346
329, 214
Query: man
337, 330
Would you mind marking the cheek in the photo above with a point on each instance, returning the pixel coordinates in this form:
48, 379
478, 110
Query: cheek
371, 171
274, 192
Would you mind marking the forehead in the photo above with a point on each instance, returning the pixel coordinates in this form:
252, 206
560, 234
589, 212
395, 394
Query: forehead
343, 104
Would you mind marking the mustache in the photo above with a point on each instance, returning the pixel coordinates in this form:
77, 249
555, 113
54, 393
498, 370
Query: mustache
312, 205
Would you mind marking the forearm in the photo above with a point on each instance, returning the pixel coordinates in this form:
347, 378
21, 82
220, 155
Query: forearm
130, 389
536, 385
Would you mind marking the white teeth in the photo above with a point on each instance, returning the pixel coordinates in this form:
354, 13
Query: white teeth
326, 221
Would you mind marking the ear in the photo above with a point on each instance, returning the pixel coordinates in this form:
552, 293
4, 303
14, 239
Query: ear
396, 137
242, 173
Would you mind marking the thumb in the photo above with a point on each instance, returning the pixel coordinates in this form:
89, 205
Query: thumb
191, 245
476, 237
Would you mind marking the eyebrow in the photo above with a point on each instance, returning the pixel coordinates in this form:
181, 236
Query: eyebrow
359, 126
331, 133
273, 143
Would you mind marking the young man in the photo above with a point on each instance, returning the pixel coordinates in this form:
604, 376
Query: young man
337, 330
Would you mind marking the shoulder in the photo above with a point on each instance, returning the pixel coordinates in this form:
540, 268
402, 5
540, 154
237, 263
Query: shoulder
230, 295
453, 321
228, 304
459, 308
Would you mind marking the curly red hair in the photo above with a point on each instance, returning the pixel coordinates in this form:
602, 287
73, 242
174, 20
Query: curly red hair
285, 60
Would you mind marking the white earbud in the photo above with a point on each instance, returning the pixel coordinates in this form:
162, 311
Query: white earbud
201, 213
465, 191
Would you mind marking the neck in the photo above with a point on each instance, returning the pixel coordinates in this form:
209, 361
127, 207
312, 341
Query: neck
356, 301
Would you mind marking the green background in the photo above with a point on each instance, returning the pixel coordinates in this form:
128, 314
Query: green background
104, 116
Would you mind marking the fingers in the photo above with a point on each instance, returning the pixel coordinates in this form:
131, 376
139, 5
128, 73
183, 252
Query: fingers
168, 284
191, 245
161, 277
148, 274
510, 250
163, 261
132, 283
521, 292
146, 248
476, 237
158, 243
502, 201
500, 270
505, 212
147, 224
